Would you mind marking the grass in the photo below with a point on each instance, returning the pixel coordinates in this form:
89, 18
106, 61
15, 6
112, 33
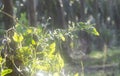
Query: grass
113, 55
102, 73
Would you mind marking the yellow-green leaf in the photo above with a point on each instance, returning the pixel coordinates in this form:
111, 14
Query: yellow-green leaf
62, 37
61, 62
52, 47
17, 37
6, 71
1, 60
95, 32
76, 74
33, 42
29, 31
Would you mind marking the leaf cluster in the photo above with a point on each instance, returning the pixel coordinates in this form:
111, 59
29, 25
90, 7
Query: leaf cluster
38, 50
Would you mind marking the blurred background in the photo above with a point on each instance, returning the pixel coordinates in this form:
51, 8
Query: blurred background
52, 14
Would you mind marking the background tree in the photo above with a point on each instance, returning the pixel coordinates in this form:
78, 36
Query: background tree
31, 10
8, 8
61, 13
52, 14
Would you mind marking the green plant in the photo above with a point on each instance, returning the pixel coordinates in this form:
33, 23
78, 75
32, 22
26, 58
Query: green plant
3, 71
37, 48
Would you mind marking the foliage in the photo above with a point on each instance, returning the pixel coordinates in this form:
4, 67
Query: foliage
3, 71
104, 13
37, 48
89, 28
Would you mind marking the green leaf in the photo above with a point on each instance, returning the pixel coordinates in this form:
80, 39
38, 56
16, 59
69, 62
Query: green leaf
52, 47
29, 31
62, 37
76, 74
6, 71
95, 32
61, 61
1, 60
17, 37
33, 42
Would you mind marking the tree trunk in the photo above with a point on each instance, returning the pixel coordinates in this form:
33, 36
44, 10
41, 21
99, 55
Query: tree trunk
61, 15
8, 8
65, 47
31, 10
117, 21
84, 36
82, 9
